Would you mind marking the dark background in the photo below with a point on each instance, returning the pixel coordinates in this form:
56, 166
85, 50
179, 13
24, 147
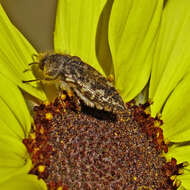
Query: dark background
35, 19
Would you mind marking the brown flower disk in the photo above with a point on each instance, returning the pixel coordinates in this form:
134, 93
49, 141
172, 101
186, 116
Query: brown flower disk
94, 150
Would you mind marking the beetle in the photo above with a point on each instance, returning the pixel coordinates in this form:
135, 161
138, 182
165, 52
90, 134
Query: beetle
70, 73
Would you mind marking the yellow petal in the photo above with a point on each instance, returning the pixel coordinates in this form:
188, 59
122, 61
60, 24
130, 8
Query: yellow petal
181, 187
13, 158
132, 28
182, 154
13, 98
24, 182
176, 115
171, 58
185, 179
75, 31
13, 145
8, 118
102, 45
15, 55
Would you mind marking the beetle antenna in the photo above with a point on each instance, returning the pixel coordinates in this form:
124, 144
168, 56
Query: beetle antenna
27, 70
33, 63
34, 56
34, 80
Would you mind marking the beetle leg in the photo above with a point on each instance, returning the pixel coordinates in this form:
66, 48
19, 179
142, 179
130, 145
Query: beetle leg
76, 102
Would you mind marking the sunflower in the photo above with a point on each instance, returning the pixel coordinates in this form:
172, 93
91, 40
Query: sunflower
144, 45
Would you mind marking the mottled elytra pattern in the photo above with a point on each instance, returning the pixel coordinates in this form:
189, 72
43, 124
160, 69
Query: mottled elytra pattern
71, 73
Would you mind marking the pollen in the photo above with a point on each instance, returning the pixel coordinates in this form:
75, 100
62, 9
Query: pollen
110, 78
157, 123
173, 177
177, 183
63, 96
92, 149
115, 134
36, 150
60, 188
147, 111
70, 93
42, 129
32, 136
46, 102
49, 116
41, 168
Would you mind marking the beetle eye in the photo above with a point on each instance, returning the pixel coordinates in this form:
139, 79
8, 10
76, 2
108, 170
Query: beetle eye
42, 64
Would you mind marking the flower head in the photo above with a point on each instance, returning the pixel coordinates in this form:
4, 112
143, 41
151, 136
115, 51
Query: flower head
143, 44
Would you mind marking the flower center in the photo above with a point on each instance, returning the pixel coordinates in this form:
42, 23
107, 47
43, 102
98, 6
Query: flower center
93, 149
